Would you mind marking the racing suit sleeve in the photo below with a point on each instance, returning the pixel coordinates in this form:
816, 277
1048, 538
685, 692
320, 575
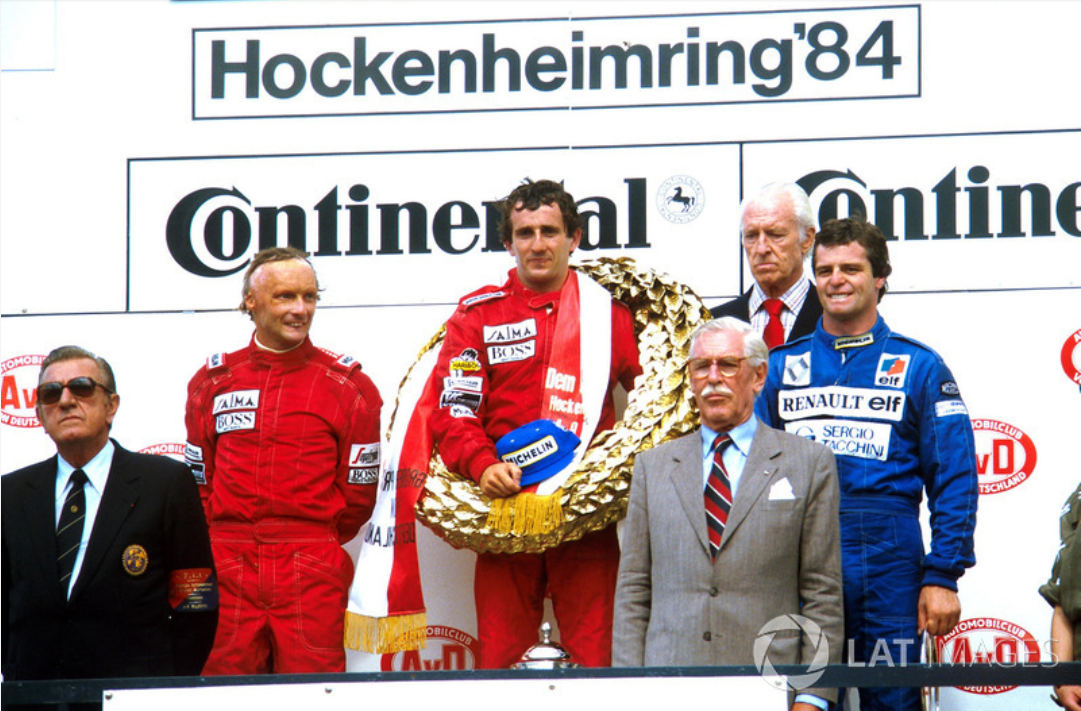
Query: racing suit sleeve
359, 453
947, 455
199, 448
765, 406
458, 424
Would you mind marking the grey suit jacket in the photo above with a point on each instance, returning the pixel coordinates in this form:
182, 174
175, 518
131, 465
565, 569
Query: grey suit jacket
780, 555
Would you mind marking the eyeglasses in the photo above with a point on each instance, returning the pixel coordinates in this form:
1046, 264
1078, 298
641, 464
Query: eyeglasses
727, 367
81, 387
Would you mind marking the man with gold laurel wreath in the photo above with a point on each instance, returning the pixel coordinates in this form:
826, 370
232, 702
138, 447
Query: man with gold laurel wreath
533, 365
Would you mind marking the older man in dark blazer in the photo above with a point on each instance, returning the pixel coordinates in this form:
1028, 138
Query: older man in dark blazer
777, 230
107, 569
729, 529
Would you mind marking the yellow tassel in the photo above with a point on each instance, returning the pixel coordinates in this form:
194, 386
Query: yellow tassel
383, 635
526, 514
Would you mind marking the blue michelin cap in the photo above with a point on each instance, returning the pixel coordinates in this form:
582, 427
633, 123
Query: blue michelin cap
541, 449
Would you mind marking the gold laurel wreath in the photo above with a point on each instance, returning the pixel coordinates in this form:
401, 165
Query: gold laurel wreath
659, 409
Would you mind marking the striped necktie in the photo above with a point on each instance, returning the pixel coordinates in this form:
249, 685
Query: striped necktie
69, 532
718, 495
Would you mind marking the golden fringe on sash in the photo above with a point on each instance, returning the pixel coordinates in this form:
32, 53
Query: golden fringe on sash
383, 635
526, 513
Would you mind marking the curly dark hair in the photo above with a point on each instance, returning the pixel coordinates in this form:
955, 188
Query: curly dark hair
530, 195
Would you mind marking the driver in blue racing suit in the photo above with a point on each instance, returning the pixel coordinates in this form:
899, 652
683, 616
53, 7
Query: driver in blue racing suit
892, 413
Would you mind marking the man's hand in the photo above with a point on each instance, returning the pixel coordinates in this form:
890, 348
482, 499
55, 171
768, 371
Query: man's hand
1069, 697
940, 610
500, 480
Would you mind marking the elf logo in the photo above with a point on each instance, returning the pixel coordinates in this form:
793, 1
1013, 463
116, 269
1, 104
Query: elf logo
449, 648
174, 450
19, 390
1005, 456
987, 640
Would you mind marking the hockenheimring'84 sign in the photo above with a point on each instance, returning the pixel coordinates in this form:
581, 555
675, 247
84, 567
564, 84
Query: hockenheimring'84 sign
700, 58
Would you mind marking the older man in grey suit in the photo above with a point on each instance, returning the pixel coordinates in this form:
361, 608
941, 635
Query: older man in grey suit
729, 528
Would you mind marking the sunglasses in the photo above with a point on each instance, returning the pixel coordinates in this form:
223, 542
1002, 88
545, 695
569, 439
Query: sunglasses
81, 387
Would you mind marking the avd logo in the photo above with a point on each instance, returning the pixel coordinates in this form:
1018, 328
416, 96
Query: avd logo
449, 648
18, 390
1005, 456
987, 640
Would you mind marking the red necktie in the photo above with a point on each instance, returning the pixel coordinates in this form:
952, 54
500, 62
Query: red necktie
774, 333
718, 495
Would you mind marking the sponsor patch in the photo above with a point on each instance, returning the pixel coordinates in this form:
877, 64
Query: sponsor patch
483, 297
233, 421
193, 590
461, 411
511, 353
892, 370
467, 362
507, 332
839, 401
462, 383
797, 370
533, 453
135, 560
460, 397
215, 361
364, 455
364, 475
853, 341
347, 361
946, 408
850, 438
193, 457
950, 389
236, 400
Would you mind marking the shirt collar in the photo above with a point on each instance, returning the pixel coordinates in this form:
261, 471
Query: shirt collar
96, 470
793, 298
741, 435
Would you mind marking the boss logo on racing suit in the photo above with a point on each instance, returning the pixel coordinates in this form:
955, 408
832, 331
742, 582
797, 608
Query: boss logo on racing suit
233, 421
511, 331
467, 362
839, 401
236, 400
511, 353
797, 370
892, 370
364, 463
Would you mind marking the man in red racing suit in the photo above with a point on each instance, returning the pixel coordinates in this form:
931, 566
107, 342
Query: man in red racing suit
497, 354
283, 439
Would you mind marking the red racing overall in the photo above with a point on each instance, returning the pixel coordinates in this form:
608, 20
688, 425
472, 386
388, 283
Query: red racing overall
285, 447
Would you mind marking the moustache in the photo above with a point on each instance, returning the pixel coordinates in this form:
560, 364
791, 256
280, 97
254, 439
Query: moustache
715, 389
